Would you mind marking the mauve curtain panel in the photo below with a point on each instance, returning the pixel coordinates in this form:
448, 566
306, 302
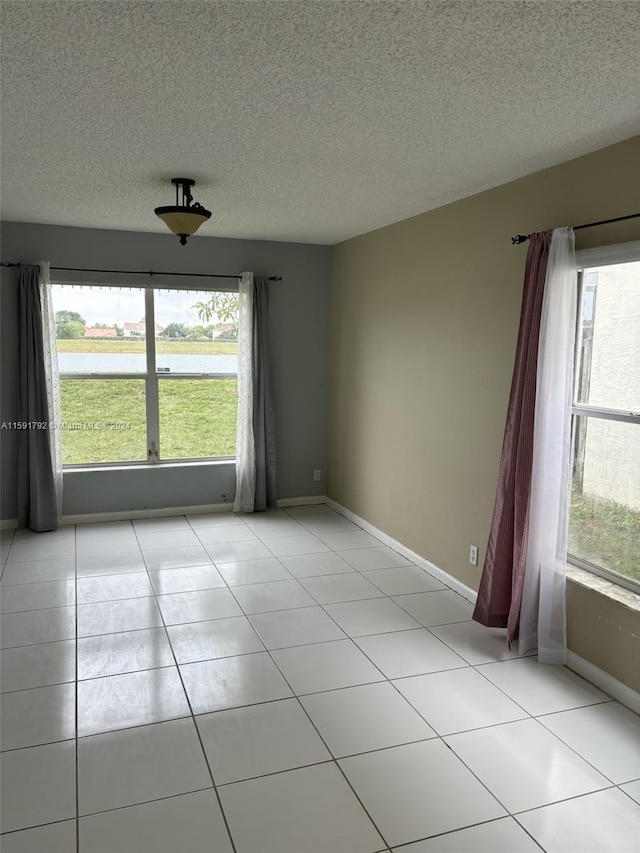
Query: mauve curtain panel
37, 495
501, 585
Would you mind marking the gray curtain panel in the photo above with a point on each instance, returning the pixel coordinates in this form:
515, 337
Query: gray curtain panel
264, 420
37, 503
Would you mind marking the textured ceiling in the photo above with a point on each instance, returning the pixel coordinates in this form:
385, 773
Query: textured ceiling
303, 121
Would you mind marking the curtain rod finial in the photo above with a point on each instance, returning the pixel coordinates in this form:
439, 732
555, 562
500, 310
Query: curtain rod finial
520, 238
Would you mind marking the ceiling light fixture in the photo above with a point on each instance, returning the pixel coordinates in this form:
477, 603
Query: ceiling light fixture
183, 219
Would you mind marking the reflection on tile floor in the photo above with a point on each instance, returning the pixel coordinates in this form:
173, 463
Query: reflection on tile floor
285, 683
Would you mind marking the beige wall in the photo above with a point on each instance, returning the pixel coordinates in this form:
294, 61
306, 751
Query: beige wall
424, 323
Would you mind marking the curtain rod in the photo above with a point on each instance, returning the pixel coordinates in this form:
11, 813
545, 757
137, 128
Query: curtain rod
144, 272
521, 238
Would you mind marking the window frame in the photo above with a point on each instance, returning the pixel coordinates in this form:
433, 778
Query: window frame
601, 256
151, 379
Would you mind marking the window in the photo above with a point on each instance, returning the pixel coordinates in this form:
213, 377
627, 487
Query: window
146, 375
604, 530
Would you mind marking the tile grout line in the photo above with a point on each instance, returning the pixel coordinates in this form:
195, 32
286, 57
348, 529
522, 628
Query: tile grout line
6, 558
334, 760
11, 832
548, 713
193, 718
437, 735
575, 751
130, 805
406, 844
304, 710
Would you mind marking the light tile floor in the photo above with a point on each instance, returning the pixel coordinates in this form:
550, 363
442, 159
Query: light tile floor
285, 683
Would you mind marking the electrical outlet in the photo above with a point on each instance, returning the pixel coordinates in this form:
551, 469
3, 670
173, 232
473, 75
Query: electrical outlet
317, 475
473, 555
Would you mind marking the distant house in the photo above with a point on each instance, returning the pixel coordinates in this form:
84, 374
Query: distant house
138, 330
99, 333
220, 330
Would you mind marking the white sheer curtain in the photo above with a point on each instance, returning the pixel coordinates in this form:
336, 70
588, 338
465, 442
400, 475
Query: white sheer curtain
52, 380
245, 442
542, 615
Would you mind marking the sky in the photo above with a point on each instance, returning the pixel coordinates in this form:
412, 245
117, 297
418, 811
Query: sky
120, 305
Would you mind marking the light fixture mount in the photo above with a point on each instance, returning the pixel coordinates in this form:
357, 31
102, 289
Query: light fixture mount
186, 215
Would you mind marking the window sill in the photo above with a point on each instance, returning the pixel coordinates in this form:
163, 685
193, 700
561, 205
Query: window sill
607, 588
146, 466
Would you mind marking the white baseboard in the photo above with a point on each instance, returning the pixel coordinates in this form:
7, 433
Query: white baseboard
125, 515
199, 509
304, 501
453, 583
607, 683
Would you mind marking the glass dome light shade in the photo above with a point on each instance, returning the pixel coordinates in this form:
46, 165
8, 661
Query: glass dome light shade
183, 220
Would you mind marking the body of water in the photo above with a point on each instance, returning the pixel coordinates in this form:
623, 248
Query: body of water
80, 362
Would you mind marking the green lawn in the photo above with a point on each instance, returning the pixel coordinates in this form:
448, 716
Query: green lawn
197, 418
605, 533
